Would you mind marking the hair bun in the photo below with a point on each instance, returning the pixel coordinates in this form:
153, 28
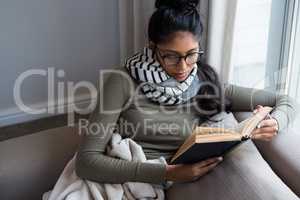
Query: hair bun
176, 4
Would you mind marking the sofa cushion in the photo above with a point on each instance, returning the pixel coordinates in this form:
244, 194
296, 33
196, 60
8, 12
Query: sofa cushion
283, 155
243, 175
30, 165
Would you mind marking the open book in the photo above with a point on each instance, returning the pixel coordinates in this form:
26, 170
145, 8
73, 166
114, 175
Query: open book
208, 142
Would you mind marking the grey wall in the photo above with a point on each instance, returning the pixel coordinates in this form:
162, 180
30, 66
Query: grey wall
77, 36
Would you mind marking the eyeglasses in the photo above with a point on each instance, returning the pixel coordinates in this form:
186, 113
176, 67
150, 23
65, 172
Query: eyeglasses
173, 59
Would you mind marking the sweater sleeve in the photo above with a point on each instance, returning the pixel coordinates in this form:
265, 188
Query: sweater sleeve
91, 162
245, 99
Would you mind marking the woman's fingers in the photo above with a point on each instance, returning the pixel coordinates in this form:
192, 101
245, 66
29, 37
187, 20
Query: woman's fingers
267, 128
265, 133
201, 170
270, 129
268, 122
257, 108
266, 137
262, 110
208, 168
208, 162
267, 125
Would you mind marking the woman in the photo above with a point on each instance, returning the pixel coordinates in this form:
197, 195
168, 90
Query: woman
170, 83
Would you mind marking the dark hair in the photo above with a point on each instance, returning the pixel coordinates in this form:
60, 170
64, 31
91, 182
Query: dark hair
182, 15
172, 16
215, 100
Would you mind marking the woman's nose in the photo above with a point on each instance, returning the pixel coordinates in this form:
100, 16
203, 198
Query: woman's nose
182, 65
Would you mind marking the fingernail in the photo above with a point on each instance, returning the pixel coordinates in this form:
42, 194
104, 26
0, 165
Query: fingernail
220, 158
258, 126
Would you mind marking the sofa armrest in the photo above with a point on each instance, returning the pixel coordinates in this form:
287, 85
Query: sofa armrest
30, 165
282, 154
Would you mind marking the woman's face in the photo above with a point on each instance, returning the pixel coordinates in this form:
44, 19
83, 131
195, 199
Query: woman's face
181, 44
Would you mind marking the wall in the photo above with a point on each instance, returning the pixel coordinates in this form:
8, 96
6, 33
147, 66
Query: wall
79, 37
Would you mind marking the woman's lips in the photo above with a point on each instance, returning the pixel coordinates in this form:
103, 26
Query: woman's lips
181, 75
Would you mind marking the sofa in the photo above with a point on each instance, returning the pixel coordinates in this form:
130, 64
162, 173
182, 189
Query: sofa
31, 164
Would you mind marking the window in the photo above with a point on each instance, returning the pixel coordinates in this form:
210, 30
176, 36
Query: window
250, 44
261, 43
293, 72
266, 46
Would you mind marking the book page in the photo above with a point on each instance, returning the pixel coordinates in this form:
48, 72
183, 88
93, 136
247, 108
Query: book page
228, 121
250, 124
239, 127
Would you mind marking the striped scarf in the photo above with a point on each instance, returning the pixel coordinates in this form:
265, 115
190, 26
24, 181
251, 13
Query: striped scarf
157, 85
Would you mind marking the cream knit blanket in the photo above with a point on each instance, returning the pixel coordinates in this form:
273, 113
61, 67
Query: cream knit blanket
70, 187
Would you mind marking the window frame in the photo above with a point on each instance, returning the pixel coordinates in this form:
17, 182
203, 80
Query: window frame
293, 76
279, 45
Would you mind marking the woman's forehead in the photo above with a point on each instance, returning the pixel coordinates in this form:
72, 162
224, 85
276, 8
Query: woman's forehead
180, 42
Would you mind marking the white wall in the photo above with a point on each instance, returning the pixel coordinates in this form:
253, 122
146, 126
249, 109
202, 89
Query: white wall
77, 36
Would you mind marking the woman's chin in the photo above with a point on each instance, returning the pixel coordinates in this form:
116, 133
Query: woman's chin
181, 79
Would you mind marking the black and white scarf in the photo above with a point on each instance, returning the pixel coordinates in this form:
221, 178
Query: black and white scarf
157, 84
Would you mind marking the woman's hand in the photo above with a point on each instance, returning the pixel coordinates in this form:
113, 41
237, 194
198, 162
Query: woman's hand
191, 172
267, 129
